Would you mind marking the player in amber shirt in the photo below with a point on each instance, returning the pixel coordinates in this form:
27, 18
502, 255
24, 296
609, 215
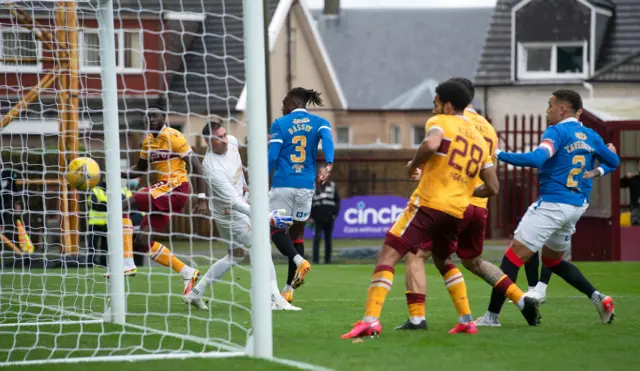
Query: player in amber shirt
470, 244
451, 157
165, 156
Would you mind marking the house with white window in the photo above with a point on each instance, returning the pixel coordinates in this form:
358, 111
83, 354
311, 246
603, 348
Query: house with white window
389, 62
536, 46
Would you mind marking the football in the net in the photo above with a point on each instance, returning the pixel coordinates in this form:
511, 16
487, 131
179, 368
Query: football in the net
83, 173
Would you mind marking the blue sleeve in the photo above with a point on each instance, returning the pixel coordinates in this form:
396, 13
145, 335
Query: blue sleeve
606, 156
551, 139
275, 144
530, 159
327, 143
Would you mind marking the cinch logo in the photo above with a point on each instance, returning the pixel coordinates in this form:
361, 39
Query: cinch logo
363, 215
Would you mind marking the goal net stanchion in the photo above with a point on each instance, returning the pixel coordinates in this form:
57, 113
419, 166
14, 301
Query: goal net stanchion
116, 312
62, 313
256, 73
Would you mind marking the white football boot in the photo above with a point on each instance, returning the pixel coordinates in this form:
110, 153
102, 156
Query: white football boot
488, 320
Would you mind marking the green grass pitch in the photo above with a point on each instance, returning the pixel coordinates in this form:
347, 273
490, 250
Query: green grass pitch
570, 338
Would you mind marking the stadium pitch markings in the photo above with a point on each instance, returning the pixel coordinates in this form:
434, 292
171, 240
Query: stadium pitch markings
429, 298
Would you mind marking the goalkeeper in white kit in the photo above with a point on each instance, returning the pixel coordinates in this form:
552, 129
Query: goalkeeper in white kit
224, 174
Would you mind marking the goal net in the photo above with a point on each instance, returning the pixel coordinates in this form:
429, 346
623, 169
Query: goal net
56, 301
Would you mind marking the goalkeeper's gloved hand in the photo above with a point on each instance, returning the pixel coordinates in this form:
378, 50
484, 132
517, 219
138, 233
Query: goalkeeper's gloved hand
279, 220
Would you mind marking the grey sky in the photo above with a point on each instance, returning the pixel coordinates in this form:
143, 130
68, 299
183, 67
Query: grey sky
405, 3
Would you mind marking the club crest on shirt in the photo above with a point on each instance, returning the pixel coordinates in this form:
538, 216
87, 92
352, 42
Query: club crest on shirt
581, 136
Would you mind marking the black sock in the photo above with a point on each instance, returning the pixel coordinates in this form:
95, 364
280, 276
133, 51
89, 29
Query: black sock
574, 277
531, 269
283, 244
545, 275
299, 246
497, 297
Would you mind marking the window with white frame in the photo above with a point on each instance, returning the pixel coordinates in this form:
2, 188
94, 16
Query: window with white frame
394, 135
343, 135
129, 58
552, 60
417, 135
20, 49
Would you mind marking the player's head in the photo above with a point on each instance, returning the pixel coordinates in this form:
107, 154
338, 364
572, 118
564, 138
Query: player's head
451, 98
563, 104
299, 98
215, 135
156, 118
467, 84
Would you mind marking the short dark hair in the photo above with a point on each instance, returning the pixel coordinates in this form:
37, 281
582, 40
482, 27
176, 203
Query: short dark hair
454, 93
569, 96
301, 97
467, 84
210, 127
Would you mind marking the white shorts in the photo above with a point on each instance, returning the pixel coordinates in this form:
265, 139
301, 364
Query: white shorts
296, 201
549, 224
236, 230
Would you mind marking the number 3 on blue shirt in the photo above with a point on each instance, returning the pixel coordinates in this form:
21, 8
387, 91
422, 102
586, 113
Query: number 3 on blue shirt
572, 182
300, 142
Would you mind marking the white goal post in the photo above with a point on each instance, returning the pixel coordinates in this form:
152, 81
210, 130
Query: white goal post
76, 80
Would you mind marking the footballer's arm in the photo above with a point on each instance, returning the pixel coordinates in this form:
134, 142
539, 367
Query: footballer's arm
429, 146
223, 191
195, 168
491, 185
329, 150
606, 165
137, 170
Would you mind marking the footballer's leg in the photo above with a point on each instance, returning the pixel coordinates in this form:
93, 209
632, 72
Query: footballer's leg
445, 241
282, 199
541, 220
164, 202
470, 246
130, 204
215, 272
381, 282
416, 290
302, 201
397, 244
296, 233
532, 269
552, 257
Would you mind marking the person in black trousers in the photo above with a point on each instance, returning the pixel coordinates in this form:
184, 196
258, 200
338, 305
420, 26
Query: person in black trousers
632, 181
324, 210
10, 205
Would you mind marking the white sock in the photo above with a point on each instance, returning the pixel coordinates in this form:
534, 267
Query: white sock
416, 320
218, 269
597, 297
520, 303
298, 259
541, 288
187, 272
287, 288
369, 319
532, 288
129, 263
493, 316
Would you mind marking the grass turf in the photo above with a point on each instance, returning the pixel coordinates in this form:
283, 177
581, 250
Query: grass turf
571, 337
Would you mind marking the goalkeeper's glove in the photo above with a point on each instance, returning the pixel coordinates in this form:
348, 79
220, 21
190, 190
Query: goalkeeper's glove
279, 220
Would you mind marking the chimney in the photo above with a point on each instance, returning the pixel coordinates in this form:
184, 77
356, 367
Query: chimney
331, 8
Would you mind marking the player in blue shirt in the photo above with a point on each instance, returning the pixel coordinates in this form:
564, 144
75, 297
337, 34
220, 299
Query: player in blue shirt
538, 284
293, 146
567, 150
